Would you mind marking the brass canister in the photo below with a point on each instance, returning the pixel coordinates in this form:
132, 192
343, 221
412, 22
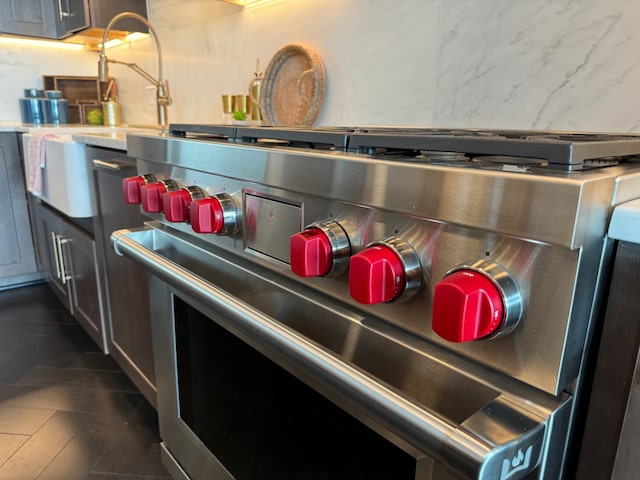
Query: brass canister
255, 98
111, 113
254, 94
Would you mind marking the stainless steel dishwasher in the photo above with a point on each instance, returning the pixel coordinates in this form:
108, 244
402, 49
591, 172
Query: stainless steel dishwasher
129, 332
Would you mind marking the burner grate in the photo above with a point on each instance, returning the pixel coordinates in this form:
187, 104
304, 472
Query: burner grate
565, 150
327, 138
440, 156
557, 150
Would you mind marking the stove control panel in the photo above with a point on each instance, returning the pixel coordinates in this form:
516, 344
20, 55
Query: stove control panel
321, 250
475, 301
483, 290
151, 194
385, 271
131, 187
217, 214
175, 204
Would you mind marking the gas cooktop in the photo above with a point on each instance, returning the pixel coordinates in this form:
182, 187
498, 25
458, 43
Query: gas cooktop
553, 149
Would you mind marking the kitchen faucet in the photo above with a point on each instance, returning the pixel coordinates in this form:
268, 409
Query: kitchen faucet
163, 99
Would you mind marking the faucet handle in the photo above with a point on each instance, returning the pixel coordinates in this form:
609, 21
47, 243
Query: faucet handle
164, 97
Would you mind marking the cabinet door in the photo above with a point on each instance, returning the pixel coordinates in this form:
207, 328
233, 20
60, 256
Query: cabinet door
102, 11
27, 17
128, 290
39, 235
69, 257
17, 257
50, 240
79, 255
73, 16
43, 18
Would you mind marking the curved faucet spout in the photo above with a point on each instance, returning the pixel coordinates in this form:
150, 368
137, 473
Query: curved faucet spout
163, 99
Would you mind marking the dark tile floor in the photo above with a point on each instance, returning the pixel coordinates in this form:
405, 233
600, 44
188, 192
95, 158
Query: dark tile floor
66, 410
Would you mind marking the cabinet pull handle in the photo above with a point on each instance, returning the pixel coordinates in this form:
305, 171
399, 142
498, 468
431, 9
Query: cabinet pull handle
63, 268
62, 13
111, 165
56, 254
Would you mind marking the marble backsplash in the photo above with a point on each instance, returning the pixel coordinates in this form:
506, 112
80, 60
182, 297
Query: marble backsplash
23, 67
570, 64
543, 64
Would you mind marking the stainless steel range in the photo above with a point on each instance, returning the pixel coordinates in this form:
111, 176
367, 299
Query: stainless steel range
374, 302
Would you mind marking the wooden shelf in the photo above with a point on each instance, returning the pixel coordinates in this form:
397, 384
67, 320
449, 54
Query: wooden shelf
83, 93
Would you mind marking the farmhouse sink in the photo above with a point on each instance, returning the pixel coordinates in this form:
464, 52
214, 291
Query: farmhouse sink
66, 174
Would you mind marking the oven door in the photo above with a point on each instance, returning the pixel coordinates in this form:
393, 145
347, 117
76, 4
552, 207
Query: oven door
259, 377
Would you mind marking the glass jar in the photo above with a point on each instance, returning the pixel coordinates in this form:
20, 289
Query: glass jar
56, 108
32, 106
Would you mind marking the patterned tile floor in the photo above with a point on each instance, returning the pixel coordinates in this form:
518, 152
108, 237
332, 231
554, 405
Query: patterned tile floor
66, 410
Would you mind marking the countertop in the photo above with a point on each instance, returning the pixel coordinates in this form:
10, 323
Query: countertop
114, 140
625, 222
63, 129
95, 135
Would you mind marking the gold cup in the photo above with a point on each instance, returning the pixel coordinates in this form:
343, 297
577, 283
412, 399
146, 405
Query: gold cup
242, 103
227, 103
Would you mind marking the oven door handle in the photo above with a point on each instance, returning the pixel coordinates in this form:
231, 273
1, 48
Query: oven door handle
501, 441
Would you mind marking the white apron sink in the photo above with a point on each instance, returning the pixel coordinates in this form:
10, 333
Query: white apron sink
66, 178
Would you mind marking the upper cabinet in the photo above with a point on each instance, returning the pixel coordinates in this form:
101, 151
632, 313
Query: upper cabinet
57, 19
43, 18
102, 11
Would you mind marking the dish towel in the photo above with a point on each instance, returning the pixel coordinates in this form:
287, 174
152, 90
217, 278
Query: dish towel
36, 160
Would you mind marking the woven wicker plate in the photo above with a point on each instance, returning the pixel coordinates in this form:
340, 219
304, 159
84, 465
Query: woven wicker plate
293, 87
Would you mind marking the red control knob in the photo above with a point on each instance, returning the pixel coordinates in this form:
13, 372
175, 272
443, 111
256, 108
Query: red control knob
152, 196
175, 205
207, 215
311, 253
322, 249
376, 275
131, 187
467, 305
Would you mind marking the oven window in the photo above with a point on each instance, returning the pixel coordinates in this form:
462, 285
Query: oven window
262, 422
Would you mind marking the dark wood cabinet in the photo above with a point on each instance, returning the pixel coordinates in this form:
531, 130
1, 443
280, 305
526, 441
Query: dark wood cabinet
43, 18
68, 255
58, 19
48, 229
102, 11
127, 285
17, 258
108, 294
